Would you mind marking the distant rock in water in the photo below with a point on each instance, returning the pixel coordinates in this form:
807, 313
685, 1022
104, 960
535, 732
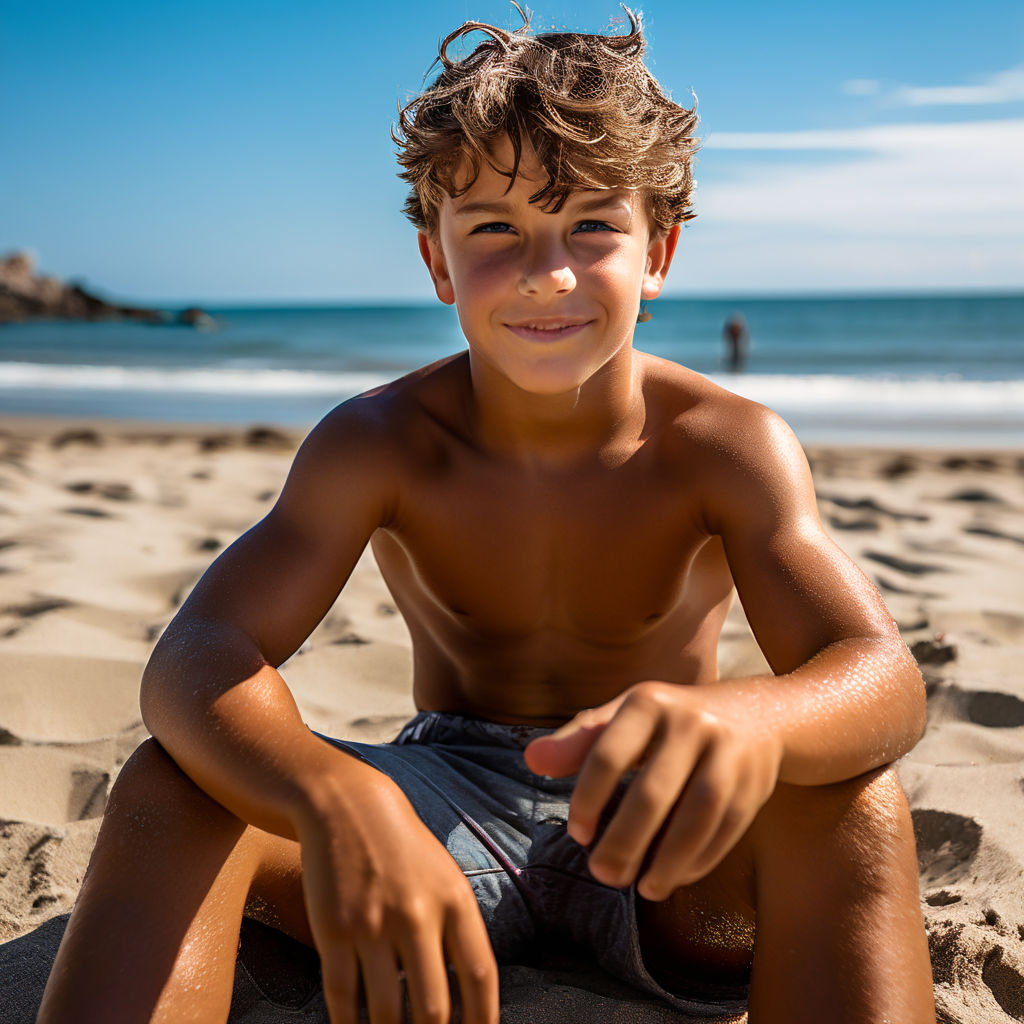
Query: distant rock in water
196, 317
26, 295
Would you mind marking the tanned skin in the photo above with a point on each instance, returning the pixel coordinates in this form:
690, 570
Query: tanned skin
562, 521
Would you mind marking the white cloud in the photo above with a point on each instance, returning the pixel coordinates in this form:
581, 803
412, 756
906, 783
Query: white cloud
862, 87
1001, 87
896, 205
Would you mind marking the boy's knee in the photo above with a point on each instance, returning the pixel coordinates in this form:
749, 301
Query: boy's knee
148, 766
860, 828
151, 784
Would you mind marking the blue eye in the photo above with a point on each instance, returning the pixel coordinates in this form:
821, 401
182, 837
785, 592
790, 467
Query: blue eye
588, 226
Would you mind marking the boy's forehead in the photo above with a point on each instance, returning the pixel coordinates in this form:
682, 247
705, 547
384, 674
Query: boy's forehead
485, 200
491, 190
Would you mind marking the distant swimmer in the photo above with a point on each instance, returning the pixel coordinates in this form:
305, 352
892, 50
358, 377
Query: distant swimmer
737, 342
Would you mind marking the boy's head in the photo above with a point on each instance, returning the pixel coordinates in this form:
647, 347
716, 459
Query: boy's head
586, 106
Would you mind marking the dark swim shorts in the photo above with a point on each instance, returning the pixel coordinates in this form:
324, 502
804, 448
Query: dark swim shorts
505, 828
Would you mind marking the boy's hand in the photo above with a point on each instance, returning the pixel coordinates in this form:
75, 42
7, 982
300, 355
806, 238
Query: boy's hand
703, 771
383, 896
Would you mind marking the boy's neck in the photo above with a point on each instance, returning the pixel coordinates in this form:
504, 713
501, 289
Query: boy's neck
558, 429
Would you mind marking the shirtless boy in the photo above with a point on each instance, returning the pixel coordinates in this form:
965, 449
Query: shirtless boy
562, 521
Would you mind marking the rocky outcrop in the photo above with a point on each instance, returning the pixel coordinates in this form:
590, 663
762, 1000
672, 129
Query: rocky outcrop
26, 295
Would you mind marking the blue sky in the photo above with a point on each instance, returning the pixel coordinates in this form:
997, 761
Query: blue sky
211, 150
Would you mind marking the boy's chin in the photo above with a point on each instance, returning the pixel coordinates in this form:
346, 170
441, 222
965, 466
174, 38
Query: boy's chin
553, 380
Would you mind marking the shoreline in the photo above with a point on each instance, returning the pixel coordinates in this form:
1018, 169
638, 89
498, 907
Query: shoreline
106, 524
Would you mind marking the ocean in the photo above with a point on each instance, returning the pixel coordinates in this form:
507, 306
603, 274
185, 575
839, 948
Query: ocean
924, 370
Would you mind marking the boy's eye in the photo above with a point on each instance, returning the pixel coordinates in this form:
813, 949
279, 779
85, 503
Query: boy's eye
491, 227
587, 226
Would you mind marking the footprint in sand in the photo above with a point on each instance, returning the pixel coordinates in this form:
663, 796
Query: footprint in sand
947, 844
112, 490
989, 531
86, 436
942, 898
895, 588
860, 523
37, 606
87, 795
956, 463
8, 739
994, 710
870, 505
933, 652
40, 881
976, 495
900, 466
18, 615
903, 565
90, 513
1005, 982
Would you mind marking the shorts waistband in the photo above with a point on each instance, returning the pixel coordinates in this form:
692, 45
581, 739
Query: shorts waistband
464, 730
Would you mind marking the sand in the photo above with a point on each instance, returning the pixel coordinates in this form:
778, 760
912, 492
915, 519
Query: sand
104, 528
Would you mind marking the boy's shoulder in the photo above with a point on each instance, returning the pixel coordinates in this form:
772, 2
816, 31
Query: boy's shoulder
707, 421
737, 459
400, 410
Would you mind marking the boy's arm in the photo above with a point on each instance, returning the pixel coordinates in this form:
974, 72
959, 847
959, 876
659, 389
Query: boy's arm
846, 695
212, 696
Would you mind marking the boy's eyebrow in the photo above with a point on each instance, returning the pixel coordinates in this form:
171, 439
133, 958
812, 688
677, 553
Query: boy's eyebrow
602, 199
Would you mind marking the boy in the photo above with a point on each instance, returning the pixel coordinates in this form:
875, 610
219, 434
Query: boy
561, 520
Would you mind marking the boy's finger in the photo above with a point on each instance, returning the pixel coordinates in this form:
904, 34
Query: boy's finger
707, 822
643, 812
469, 949
616, 751
340, 977
426, 978
381, 983
563, 751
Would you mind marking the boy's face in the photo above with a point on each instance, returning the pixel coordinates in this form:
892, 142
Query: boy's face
546, 299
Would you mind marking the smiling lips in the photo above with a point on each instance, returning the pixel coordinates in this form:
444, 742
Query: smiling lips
547, 330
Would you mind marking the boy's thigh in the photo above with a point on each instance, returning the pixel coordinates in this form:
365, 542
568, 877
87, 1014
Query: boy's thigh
839, 921
703, 935
810, 863
276, 895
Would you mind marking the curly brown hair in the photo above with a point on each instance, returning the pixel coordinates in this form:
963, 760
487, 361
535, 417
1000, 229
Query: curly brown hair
592, 112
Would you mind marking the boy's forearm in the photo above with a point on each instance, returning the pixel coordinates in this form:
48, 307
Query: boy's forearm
230, 722
858, 704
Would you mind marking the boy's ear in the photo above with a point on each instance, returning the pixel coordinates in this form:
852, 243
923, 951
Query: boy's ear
660, 251
430, 250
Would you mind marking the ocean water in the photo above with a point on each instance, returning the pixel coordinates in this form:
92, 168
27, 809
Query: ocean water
943, 370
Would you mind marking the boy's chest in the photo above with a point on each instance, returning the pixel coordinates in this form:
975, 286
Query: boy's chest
603, 555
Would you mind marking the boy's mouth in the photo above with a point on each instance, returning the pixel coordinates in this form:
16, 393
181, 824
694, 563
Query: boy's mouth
547, 329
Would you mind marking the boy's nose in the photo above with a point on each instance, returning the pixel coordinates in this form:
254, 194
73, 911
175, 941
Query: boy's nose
546, 282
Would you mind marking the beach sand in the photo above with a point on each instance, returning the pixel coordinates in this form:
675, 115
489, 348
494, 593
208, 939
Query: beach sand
105, 527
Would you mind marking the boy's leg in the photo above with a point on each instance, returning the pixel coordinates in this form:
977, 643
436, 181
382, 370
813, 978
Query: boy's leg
154, 933
839, 931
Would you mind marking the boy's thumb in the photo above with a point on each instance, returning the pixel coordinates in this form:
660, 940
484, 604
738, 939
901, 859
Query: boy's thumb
564, 751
